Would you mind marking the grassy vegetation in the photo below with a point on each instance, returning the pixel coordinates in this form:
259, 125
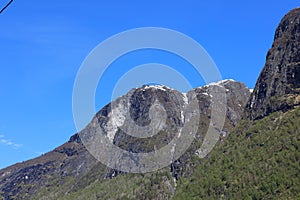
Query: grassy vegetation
257, 161
55, 189
157, 185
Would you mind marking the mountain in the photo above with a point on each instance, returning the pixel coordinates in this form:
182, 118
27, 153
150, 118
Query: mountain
260, 158
256, 155
71, 168
278, 86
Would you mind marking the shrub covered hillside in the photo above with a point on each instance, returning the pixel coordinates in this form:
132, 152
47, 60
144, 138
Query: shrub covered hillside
257, 161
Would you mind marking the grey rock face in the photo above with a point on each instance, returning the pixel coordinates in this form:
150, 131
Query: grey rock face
73, 161
237, 95
142, 121
141, 101
278, 86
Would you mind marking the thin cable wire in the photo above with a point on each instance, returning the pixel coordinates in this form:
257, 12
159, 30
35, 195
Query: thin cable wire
6, 6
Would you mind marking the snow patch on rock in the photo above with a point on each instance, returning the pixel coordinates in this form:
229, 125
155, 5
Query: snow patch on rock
221, 82
185, 98
158, 87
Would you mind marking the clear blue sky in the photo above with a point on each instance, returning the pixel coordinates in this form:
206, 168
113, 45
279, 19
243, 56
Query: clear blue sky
43, 44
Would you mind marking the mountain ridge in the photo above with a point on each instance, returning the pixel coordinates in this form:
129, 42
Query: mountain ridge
72, 160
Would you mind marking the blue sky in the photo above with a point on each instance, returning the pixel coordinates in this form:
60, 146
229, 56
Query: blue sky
43, 44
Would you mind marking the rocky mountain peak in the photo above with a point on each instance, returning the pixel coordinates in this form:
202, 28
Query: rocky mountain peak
72, 161
278, 86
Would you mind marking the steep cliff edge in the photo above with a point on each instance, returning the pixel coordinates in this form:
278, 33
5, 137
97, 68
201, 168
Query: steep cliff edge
278, 86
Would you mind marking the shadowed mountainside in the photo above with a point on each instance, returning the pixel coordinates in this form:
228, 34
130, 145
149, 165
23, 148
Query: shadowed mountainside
278, 86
